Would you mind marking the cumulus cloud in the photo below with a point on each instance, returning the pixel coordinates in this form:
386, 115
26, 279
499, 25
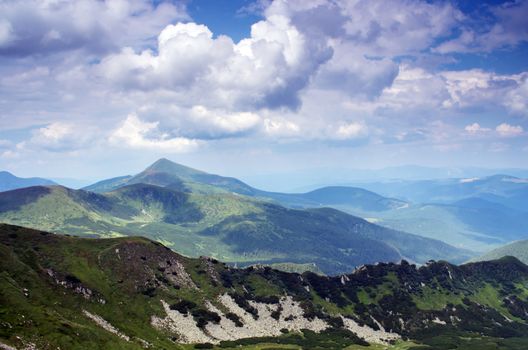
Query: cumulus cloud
223, 123
414, 88
507, 130
351, 130
476, 129
475, 86
309, 70
135, 133
58, 137
280, 127
516, 99
398, 27
507, 30
47, 27
266, 70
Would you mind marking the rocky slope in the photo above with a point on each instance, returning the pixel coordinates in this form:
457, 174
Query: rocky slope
132, 293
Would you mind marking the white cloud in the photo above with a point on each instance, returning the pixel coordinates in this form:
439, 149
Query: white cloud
306, 71
280, 127
516, 98
6, 33
477, 88
266, 70
398, 27
351, 130
58, 137
507, 30
476, 129
414, 88
55, 131
48, 27
135, 133
223, 123
507, 130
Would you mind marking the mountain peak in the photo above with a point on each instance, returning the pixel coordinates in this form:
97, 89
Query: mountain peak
167, 166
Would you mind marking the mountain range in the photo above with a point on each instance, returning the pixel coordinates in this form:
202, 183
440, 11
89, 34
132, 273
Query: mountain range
9, 181
230, 227
474, 213
218, 216
471, 213
66, 292
507, 190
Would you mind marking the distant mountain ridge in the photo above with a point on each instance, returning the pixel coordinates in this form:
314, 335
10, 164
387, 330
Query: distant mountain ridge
166, 173
9, 181
227, 226
471, 213
497, 188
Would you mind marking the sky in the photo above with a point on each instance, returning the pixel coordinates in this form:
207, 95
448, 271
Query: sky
91, 89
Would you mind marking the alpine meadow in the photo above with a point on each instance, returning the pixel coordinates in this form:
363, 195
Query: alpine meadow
264, 174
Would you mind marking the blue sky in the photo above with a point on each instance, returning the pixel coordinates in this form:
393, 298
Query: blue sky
92, 89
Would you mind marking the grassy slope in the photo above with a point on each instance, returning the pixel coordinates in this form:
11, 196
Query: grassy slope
126, 273
461, 224
229, 227
517, 249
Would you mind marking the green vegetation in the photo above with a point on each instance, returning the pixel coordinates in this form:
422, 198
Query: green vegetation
230, 227
517, 249
477, 215
52, 287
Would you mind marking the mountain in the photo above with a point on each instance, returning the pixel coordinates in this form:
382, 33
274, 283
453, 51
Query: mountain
166, 173
9, 181
353, 197
233, 228
474, 224
311, 178
132, 293
109, 184
517, 249
507, 190
476, 214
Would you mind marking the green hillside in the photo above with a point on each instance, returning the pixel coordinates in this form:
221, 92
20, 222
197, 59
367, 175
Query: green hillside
165, 173
108, 184
65, 292
230, 227
474, 214
517, 249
